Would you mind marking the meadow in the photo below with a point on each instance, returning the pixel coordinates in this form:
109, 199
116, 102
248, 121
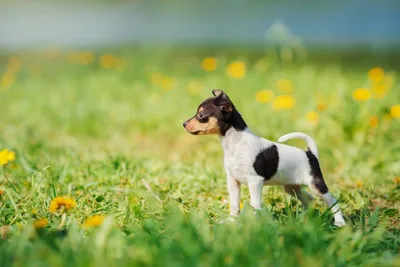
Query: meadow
97, 170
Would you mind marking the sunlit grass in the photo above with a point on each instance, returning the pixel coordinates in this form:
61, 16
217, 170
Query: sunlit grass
96, 169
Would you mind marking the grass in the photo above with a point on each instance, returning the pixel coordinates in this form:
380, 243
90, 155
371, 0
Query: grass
106, 132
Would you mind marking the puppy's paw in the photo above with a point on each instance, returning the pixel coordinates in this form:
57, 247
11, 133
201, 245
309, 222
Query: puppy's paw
340, 223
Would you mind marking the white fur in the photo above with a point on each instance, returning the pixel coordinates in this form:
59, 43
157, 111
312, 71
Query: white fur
240, 151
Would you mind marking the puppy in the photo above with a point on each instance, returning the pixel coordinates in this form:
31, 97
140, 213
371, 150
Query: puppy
255, 162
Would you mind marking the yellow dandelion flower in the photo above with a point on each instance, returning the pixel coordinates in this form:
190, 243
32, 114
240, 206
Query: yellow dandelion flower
359, 184
321, 102
107, 61
373, 121
321, 106
13, 64
284, 102
285, 86
376, 74
94, 221
10, 155
6, 156
264, 96
236, 69
312, 117
395, 111
167, 83
3, 161
1, 191
7, 80
61, 204
41, 223
396, 180
85, 58
361, 94
209, 64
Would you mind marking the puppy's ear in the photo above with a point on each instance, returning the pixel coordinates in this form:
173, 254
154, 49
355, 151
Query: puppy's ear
217, 92
222, 101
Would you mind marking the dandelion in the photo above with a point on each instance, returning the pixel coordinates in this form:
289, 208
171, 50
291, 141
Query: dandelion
85, 58
2, 192
7, 80
264, 96
284, 102
396, 180
61, 204
236, 69
41, 223
285, 86
321, 106
312, 117
361, 94
167, 83
209, 64
373, 121
6, 156
395, 111
107, 61
94, 221
359, 184
376, 74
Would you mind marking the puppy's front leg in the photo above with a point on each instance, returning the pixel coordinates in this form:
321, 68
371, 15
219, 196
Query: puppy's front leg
234, 195
255, 188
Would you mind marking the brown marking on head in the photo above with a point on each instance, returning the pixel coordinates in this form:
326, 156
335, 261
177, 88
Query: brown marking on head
194, 126
214, 116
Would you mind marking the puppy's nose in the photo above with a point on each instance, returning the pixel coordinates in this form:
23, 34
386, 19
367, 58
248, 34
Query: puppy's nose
185, 123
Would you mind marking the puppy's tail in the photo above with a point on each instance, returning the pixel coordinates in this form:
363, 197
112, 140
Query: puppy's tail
312, 146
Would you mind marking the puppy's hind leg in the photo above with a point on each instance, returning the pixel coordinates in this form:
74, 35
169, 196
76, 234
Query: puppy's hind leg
295, 190
319, 188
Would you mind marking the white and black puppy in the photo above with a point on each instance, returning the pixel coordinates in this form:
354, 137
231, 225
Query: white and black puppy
255, 162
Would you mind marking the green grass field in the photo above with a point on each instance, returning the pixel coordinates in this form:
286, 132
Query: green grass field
103, 131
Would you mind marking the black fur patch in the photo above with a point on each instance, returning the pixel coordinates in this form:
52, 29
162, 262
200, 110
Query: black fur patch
267, 161
231, 119
316, 173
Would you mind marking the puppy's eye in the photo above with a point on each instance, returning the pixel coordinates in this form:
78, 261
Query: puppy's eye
201, 115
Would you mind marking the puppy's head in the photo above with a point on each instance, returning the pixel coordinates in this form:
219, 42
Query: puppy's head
213, 115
